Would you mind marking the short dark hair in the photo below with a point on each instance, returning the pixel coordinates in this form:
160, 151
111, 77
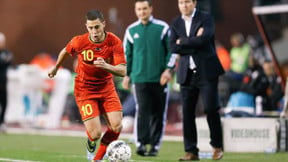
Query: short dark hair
149, 1
95, 14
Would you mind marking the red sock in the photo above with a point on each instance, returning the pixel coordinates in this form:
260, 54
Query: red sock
107, 138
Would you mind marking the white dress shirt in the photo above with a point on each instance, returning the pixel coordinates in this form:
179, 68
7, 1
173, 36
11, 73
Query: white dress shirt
188, 23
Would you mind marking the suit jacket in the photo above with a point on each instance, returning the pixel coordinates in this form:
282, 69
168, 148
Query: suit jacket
201, 48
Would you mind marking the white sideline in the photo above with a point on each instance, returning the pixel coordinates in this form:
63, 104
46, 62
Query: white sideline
15, 160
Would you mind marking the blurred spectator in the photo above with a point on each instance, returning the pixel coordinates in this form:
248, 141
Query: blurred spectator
223, 55
254, 83
257, 48
5, 61
223, 85
239, 55
44, 61
274, 92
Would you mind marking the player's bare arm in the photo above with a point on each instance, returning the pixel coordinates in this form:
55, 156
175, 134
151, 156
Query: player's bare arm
61, 57
118, 70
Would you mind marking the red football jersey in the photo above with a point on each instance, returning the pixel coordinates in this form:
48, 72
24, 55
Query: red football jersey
90, 79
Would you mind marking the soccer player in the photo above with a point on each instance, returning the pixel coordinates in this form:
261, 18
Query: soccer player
100, 54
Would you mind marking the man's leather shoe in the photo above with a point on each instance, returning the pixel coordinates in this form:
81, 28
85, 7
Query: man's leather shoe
188, 157
141, 150
153, 152
217, 154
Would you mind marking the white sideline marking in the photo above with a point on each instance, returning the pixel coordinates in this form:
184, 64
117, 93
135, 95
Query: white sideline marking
16, 160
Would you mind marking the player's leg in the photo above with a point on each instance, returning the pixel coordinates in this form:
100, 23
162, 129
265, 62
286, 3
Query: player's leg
89, 111
93, 131
113, 120
112, 111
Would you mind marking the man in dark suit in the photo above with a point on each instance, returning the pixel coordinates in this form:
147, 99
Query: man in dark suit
192, 37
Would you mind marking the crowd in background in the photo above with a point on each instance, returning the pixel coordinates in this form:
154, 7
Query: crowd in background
250, 81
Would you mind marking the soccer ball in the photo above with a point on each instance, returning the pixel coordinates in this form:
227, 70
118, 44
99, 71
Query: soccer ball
118, 151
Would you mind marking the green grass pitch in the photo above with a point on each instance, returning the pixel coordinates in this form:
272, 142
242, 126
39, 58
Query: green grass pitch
32, 148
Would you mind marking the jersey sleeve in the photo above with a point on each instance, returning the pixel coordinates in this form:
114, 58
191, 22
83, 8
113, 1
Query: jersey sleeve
118, 53
72, 46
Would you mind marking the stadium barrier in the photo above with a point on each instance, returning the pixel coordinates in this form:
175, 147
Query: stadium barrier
247, 134
250, 134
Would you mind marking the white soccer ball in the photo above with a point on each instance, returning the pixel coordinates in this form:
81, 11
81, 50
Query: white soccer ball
118, 151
